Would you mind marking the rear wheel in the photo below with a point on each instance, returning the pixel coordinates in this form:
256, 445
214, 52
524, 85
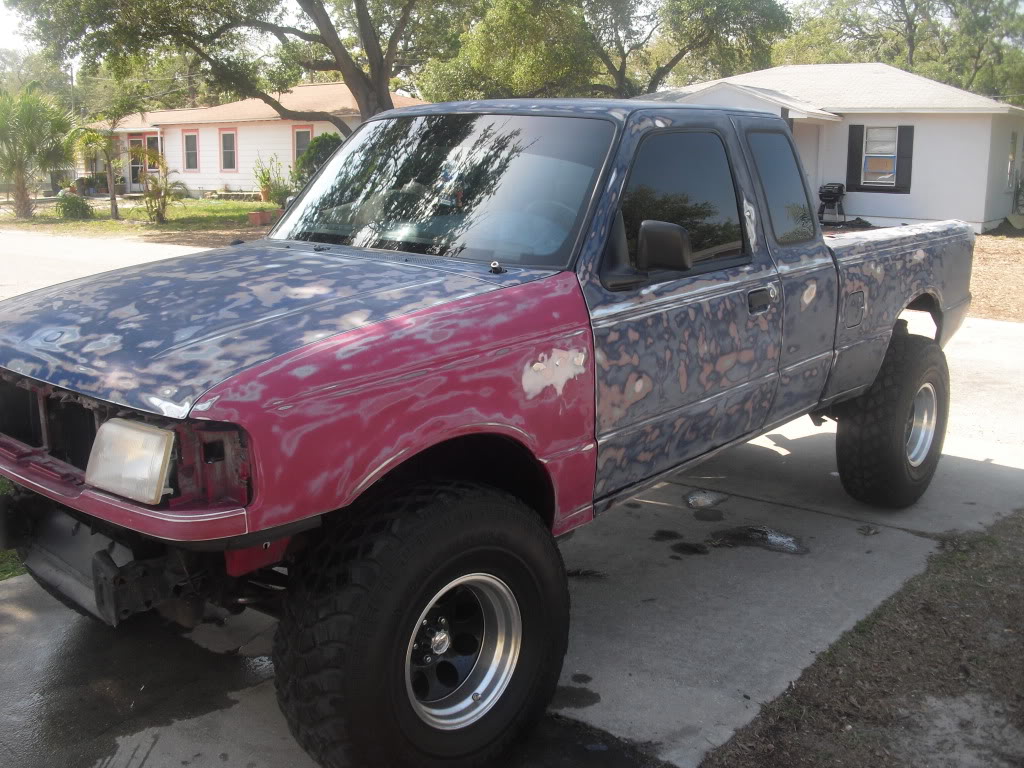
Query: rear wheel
889, 439
429, 630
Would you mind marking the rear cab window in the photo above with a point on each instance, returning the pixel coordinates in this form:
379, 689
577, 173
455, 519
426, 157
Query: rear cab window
788, 207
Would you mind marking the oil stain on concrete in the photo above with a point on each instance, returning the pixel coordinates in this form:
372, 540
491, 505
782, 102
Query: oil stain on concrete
574, 697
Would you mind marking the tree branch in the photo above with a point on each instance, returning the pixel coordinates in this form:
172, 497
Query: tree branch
351, 71
264, 26
318, 65
247, 89
660, 73
396, 36
368, 38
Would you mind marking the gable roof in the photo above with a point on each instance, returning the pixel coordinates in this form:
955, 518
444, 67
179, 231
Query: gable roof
847, 88
795, 106
335, 98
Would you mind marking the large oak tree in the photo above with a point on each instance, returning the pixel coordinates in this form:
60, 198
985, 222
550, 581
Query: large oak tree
258, 48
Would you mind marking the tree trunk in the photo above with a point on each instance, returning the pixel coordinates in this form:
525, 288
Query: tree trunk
22, 201
114, 213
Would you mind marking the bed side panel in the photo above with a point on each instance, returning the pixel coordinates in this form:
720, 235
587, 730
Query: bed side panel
880, 272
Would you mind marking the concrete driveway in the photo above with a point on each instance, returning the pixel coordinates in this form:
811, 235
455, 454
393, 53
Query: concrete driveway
674, 645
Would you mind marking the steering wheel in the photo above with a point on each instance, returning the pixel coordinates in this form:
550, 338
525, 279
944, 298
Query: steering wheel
546, 208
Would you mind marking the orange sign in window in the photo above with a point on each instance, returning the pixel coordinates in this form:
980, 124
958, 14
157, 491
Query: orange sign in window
880, 164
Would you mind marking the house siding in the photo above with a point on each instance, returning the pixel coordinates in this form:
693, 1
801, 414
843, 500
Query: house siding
255, 141
959, 160
950, 172
999, 195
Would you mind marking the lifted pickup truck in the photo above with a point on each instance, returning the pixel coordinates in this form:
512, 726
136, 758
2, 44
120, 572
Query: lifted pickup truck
478, 327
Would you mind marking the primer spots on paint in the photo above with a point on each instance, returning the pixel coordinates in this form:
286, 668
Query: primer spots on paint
809, 293
554, 370
303, 371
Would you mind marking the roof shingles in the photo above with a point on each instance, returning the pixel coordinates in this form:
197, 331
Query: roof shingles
855, 88
334, 98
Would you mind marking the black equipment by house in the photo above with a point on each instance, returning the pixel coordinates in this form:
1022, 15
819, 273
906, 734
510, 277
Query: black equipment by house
831, 197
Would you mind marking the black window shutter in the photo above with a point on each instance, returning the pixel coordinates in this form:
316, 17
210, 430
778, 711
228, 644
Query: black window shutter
904, 157
854, 157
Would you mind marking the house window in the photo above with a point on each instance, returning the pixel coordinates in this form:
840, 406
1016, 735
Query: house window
303, 134
879, 156
152, 145
880, 159
191, 150
1011, 168
228, 150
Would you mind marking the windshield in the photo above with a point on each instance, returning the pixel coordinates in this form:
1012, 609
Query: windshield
504, 188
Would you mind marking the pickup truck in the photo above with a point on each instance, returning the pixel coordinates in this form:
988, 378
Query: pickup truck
478, 327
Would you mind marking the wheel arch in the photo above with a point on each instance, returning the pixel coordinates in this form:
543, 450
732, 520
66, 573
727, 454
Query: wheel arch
491, 458
926, 301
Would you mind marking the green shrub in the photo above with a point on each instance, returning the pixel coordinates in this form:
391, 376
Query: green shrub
319, 151
73, 207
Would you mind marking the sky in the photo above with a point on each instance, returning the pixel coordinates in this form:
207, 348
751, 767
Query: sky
9, 37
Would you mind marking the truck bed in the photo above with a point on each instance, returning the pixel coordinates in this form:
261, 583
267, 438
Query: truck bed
885, 271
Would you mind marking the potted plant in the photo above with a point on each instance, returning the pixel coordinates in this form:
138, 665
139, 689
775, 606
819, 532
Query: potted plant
267, 175
120, 185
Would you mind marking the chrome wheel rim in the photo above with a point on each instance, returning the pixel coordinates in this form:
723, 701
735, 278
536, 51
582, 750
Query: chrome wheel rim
462, 651
920, 431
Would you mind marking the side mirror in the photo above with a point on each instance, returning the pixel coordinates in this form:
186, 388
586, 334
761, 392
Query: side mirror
662, 245
288, 201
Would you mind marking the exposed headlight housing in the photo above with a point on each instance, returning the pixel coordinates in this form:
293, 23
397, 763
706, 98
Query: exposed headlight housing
131, 459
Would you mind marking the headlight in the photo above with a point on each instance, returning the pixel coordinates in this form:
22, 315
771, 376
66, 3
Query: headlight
131, 459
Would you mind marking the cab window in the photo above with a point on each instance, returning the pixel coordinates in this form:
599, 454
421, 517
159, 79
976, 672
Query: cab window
685, 179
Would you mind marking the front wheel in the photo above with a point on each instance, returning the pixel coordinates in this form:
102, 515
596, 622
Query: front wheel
430, 630
889, 439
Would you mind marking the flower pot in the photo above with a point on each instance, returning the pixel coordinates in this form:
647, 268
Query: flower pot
120, 189
265, 194
255, 218
276, 215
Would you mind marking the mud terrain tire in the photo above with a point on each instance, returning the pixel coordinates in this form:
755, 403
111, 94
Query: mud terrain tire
883, 459
363, 591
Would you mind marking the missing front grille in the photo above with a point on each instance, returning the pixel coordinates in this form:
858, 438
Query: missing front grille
72, 431
19, 414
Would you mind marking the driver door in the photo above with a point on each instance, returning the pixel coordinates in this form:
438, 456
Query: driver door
687, 359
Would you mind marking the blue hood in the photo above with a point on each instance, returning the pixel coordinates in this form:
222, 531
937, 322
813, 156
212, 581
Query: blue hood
155, 337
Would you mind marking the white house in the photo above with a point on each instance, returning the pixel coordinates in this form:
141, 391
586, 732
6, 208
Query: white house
908, 149
216, 148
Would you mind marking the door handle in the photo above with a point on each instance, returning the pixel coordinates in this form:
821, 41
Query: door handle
760, 300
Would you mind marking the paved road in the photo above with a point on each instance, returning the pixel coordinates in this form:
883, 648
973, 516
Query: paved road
672, 647
32, 260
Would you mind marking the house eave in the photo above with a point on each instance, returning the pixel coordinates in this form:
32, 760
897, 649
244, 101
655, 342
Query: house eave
1007, 109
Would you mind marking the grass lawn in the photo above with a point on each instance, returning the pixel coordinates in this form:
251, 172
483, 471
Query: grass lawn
932, 678
10, 565
190, 222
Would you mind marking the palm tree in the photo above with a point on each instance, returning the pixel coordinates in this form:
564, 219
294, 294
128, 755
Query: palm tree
91, 142
159, 190
35, 137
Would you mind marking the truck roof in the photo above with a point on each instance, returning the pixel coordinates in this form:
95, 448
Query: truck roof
615, 109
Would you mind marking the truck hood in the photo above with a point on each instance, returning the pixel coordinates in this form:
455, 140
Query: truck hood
155, 337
